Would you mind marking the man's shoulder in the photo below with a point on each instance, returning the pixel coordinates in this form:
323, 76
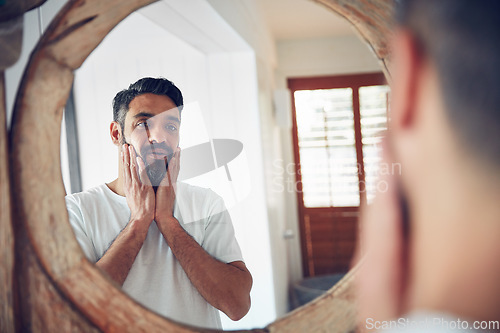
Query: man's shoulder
94, 204
94, 195
90, 194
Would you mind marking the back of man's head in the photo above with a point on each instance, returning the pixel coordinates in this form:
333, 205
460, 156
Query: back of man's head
431, 238
461, 38
147, 85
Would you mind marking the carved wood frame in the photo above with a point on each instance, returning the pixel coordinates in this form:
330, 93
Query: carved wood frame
49, 264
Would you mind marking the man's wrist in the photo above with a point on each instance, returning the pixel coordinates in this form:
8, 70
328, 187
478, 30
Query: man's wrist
167, 220
165, 224
138, 227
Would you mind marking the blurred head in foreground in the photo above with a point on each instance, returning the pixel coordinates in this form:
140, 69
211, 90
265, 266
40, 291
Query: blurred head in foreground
432, 241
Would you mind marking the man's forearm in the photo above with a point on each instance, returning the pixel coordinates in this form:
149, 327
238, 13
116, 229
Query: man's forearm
225, 286
120, 256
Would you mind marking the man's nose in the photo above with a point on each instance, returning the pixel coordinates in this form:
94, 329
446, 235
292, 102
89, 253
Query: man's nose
156, 134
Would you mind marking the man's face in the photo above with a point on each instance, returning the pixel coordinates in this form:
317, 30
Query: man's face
152, 128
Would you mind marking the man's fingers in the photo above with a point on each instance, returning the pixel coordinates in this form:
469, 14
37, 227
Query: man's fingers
166, 179
126, 163
133, 165
173, 166
142, 171
170, 177
178, 159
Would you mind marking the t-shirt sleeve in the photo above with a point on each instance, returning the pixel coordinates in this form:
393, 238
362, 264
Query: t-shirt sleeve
220, 240
77, 222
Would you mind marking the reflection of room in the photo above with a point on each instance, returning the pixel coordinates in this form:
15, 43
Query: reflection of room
234, 78
310, 41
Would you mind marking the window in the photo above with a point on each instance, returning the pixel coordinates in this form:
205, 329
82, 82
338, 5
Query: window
338, 166
373, 106
338, 123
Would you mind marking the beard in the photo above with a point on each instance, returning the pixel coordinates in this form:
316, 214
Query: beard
156, 171
157, 168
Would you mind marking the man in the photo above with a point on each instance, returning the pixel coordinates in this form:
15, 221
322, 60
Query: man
431, 242
170, 246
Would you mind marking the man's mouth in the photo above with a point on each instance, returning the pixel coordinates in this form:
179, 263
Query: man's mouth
156, 160
158, 154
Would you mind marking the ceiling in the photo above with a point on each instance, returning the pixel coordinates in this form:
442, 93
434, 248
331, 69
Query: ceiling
300, 19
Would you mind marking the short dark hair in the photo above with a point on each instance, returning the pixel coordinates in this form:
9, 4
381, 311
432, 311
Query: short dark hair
147, 85
462, 39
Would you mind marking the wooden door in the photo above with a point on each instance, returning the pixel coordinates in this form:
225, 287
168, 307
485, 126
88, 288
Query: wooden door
337, 124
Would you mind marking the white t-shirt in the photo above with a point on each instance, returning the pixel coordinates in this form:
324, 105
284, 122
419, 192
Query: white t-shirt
156, 279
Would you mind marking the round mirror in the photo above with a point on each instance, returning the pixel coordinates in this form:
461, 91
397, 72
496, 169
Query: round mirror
73, 35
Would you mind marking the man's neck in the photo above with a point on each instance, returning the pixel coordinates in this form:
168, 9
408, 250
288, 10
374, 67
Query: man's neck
454, 264
117, 186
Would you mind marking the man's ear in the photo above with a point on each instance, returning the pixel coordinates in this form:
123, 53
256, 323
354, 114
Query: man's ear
115, 131
407, 60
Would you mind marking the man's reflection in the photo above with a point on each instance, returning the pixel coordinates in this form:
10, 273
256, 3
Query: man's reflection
183, 266
156, 137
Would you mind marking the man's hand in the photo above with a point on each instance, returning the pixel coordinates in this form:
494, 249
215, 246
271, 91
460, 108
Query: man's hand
137, 187
118, 259
225, 286
165, 194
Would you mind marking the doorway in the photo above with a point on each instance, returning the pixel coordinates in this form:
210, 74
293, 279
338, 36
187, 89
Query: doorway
338, 122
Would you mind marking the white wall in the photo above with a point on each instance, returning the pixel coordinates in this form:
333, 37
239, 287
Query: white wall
323, 56
238, 117
243, 16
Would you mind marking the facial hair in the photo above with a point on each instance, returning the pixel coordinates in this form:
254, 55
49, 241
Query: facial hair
157, 169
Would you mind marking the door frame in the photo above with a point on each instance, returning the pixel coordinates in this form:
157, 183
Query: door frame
354, 81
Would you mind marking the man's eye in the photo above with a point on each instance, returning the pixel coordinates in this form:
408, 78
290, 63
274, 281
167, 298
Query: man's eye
141, 124
172, 128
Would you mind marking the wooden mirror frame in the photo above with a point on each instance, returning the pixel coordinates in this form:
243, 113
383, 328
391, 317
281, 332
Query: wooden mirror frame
58, 289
